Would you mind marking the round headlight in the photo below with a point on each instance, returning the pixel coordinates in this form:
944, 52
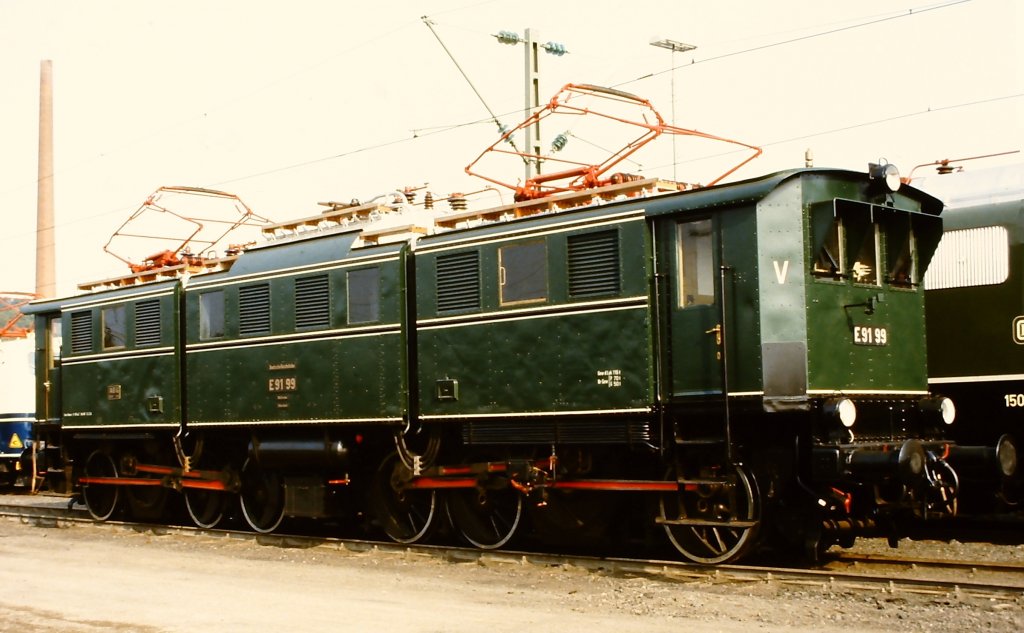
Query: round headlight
1006, 456
847, 412
887, 173
939, 407
892, 177
844, 409
948, 410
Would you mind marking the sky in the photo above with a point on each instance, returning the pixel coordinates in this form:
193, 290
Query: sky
290, 104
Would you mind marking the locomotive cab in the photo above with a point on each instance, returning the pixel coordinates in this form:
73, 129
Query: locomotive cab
800, 300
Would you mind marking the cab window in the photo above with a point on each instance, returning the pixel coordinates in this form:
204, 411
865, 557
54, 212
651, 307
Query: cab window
864, 268
55, 350
696, 261
829, 260
904, 268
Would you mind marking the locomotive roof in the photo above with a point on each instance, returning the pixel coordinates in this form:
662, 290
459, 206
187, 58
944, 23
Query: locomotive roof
318, 247
754, 189
48, 305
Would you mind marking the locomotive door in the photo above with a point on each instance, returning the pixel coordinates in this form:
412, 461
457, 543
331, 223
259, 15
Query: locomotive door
50, 367
695, 310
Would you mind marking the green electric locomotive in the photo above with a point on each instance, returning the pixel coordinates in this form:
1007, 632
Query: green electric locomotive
740, 362
976, 324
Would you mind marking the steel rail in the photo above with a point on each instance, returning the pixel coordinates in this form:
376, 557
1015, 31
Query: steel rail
666, 571
926, 563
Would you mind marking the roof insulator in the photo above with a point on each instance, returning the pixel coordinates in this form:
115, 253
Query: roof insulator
560, 142
508, 37
555, 48
503, 130
458, 202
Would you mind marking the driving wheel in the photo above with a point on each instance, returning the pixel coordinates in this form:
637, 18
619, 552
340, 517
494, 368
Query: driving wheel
713, 520
486, 518
406, 515
262, 497
101, 500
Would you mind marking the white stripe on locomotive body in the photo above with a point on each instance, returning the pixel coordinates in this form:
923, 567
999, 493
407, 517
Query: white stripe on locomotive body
535, 414
210, 423
635, 215
104, 426
291, 272
987, 378
814, 392
120, 355
561, 309
865, 392
336, 334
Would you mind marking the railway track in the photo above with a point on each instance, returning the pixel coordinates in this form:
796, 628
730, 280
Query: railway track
844, 572
843, 560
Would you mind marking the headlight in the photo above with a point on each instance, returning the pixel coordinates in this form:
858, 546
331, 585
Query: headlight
844, 409
942, 406
886, 173
948, 410
1006, 456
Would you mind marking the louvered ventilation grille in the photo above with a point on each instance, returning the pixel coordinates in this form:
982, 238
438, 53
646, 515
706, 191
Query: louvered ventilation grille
312, 302
458, 282
254, 310
594, 264
81, 332
147, 323
970, 257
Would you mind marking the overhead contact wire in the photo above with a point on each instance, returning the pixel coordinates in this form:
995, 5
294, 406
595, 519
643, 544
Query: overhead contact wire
907, 14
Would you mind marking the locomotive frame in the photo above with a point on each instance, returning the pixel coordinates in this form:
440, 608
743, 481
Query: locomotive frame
509, 372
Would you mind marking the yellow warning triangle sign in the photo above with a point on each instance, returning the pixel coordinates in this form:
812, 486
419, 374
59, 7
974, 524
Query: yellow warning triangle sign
15, 442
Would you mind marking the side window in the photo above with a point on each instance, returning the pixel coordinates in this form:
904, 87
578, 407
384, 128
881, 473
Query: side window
696, 261
364, 295
114, 327
864, 269
903, 271
53, 354
829, 261
211, 315
523, 272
